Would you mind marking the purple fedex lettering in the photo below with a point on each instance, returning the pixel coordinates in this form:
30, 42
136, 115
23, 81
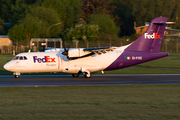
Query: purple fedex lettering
39, 60
45, 59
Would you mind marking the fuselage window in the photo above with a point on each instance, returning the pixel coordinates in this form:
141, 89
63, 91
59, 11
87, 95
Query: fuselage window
16, 58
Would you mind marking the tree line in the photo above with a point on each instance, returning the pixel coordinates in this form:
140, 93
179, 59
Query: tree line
85, 20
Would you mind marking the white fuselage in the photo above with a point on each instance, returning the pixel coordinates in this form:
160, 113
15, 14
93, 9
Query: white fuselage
56, 62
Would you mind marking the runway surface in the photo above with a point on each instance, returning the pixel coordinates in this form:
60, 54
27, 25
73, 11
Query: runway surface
68, 80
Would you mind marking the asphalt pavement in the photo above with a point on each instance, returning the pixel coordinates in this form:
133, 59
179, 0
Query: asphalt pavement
68, 80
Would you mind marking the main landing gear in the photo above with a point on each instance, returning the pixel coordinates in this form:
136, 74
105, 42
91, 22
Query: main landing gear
75, 75
86, 75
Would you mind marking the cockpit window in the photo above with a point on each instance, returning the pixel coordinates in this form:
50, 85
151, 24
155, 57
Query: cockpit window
16, 58
20, 58
25, 58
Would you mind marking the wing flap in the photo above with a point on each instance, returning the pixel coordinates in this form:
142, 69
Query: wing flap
98, 49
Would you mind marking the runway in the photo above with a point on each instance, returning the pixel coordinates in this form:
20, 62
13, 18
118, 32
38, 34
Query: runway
68, 80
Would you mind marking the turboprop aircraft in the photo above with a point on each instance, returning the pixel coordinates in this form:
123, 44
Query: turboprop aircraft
86, 60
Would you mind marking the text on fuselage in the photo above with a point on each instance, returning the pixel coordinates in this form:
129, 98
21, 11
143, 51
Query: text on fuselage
45, 59
134, 58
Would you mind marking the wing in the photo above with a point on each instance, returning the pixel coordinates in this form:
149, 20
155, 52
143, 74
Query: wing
76, 53
100, 50
85, 52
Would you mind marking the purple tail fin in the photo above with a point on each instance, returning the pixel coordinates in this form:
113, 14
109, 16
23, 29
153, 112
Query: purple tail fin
151, 40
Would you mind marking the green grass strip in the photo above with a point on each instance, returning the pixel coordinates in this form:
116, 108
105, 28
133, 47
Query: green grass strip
131, 102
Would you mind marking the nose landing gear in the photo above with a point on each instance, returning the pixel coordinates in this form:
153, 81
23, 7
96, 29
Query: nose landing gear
16, 75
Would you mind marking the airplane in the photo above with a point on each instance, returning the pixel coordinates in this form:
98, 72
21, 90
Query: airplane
78, 61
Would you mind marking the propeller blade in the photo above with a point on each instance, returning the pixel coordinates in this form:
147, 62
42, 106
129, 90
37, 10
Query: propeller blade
65, 53
65, 50
64, 46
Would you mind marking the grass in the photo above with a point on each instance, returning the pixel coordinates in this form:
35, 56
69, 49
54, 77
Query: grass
152, 67
172, 61
139, 70
150, 102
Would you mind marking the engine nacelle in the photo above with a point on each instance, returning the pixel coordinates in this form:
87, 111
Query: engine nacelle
77, 52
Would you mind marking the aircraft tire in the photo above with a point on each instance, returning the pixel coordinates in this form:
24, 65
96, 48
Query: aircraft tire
87, 75
16, 76
75, 75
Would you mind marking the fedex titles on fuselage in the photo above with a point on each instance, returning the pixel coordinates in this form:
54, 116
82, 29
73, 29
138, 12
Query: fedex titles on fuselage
152, 36
45, 59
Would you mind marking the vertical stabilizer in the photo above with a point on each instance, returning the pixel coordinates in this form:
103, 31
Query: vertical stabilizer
151, 40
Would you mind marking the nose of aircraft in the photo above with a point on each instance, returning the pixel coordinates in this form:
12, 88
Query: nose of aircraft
6, 66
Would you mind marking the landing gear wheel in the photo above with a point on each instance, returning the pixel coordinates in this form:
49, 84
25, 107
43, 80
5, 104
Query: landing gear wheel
75, 75
16, 76
87, 75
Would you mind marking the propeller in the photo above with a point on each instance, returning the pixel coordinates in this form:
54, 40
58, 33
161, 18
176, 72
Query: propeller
65, 50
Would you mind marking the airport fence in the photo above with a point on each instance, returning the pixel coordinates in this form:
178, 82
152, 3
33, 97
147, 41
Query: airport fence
170, 44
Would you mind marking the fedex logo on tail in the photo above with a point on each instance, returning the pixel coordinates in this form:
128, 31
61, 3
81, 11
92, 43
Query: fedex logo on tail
152, 36
45, 59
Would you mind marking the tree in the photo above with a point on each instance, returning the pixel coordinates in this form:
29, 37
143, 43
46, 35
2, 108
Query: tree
1, 26
5, 10
68, 10
36, 24
23, 32
105, 22
146, 10
107, 27
14, 10
96, 7
49, 21
19, 9
30, 1
124, 11
99, 27
18, 33
32, 27
82, 32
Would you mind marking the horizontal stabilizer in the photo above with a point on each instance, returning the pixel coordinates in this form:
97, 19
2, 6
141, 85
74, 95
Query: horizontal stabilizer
163, 23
